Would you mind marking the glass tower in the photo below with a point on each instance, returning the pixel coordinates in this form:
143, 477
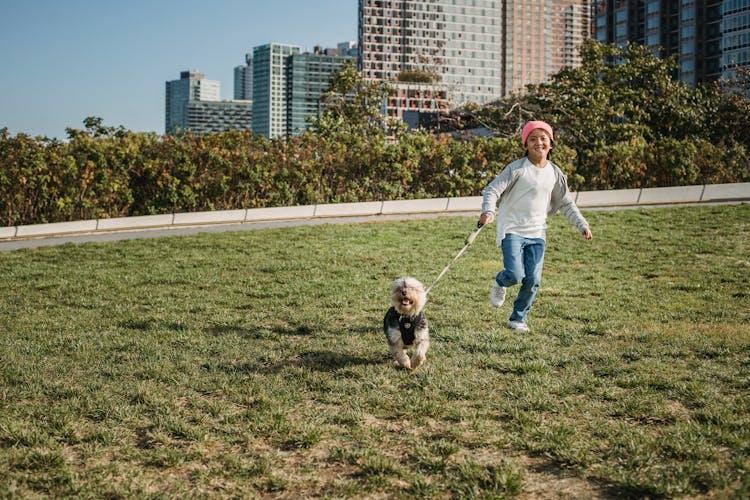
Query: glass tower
270, 88
735, 36
709, 38
243, 80
308, 77
192, 86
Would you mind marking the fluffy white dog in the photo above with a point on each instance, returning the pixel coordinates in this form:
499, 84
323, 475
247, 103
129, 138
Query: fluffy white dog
404, 324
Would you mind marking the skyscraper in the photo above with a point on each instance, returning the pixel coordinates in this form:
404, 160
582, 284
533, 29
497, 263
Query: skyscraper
541, 37
477, 50
308, 77
192, 86
459, 42
349, 48
735, 36
192, 103
709, 38
269, 88
243, 80
287, 85
570, 29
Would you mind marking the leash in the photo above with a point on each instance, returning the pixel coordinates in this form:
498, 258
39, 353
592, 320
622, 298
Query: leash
469, 240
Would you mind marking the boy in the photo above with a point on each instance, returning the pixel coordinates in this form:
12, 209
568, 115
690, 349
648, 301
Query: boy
525, 193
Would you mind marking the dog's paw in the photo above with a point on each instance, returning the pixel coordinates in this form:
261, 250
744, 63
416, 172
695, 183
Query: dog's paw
417, 361
402, 359
406, 365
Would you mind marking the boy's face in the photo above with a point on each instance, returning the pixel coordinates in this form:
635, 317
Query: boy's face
538, 144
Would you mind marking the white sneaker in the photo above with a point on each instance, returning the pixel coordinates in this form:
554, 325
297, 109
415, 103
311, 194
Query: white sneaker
518, 326
497, 295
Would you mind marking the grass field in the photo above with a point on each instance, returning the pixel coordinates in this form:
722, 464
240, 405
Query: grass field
252, 364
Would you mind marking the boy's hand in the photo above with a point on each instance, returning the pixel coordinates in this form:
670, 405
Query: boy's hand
587, 234
486, 218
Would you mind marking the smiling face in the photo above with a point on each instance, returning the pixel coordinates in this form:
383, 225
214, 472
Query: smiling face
538, 145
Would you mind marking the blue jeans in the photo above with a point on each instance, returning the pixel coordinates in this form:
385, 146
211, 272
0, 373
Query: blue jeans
523, 259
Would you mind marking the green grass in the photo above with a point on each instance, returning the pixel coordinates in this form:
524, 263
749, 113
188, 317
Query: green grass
252, 364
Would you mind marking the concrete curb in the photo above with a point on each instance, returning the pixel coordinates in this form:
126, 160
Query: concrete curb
713, 193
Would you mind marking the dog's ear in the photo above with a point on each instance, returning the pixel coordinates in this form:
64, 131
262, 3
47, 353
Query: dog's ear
416, 284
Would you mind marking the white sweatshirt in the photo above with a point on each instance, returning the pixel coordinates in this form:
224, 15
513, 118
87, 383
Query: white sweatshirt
500, 195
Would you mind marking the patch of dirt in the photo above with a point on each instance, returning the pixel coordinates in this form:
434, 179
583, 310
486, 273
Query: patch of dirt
543, 480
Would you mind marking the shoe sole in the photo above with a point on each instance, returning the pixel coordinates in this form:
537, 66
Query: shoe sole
517, 329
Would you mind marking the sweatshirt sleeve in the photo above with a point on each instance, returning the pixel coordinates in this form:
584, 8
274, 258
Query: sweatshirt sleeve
563, 202
571, 212
494, 190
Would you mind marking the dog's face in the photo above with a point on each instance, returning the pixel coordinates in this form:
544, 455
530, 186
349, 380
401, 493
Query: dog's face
408, 296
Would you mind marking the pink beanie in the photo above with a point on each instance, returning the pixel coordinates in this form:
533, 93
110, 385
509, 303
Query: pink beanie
533, 125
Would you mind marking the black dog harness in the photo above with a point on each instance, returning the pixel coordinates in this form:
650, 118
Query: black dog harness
407, 325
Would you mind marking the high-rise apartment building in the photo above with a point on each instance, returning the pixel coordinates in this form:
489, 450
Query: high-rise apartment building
192, 86
735, 36
308, 77
480, 50
349, 48
193, 104
571, 27
458, 41
287, 85
541, 37
270, 88
709, 38
243, 80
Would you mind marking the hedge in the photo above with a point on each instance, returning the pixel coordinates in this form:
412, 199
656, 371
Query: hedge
102, 172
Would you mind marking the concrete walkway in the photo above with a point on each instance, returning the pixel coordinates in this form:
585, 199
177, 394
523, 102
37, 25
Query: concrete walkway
158, 226
162, 232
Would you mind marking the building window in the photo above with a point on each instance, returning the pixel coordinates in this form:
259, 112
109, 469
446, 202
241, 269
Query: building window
687, 31
687, 47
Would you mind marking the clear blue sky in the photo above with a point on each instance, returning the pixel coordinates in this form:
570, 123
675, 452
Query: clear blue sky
64, 60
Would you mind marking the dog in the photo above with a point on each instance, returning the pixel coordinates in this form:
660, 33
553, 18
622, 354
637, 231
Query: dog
404, 324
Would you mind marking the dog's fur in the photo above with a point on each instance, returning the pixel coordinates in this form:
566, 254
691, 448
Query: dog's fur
404, 324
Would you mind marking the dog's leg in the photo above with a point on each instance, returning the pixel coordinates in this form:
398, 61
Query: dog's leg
400, 356
396, 346
419, 357
420, 352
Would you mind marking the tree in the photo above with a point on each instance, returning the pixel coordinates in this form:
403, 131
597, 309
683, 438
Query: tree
631, 122
95, 128
353, 106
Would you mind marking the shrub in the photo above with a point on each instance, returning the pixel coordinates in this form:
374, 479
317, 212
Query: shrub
105, 172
